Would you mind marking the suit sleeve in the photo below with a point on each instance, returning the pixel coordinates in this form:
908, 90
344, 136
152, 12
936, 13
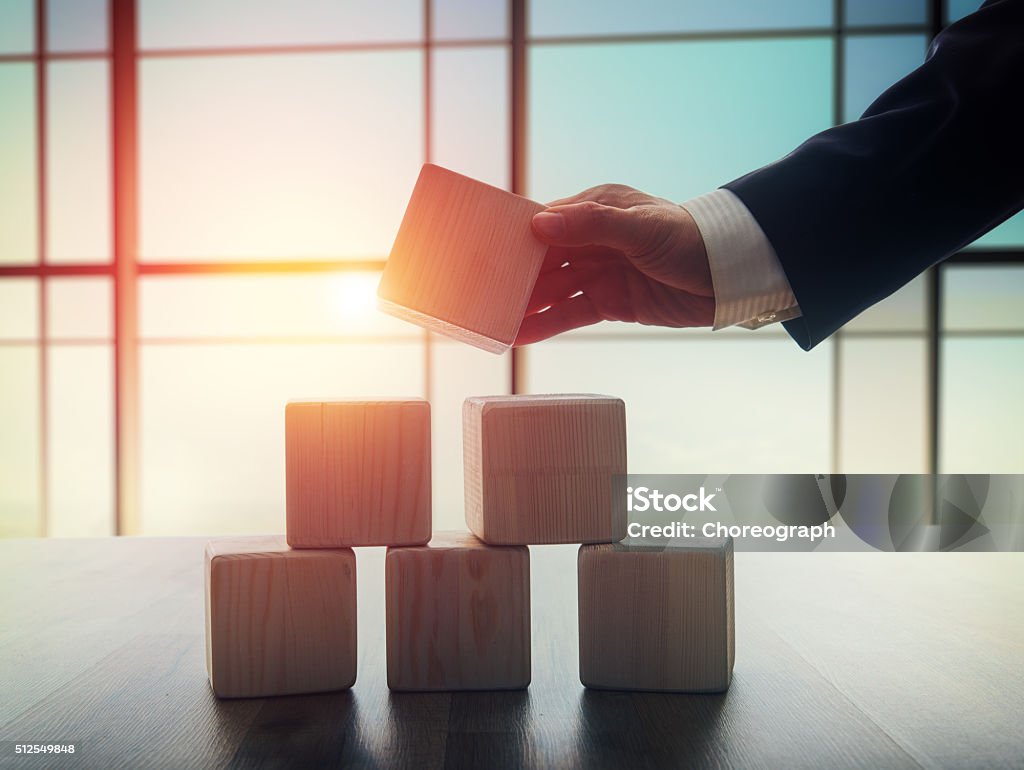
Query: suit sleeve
936, 161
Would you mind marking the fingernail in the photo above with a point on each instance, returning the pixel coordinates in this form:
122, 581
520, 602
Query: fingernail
549, 225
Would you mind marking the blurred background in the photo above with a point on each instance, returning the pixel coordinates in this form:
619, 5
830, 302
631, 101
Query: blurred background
197, 197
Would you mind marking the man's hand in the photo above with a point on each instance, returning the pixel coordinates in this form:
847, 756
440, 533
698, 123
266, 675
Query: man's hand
617, 254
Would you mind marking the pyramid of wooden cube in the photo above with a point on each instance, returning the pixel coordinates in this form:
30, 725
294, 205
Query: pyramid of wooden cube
458, 615
357, 472
465, 260
538, 469
279, 621
657, 617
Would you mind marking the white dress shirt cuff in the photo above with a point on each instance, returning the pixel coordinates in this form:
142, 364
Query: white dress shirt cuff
750, 286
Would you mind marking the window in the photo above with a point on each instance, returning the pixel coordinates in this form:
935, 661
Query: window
144, 370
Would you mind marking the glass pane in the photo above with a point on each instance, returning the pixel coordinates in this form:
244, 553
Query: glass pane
78, 167
886, 12
762, 406
19, 441
682, 129
317, 305
19, 308
81, 440
80, 308
18, 238
983, 298
458, 371
470, 19
213, 424
1010, 233
596, 17
207, 23
883, 419
902, 311
957, 9
982, 411
76, 25
304, 156
470, 112
17, 27
875, 63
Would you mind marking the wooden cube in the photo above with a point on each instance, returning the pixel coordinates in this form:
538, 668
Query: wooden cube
538, 469
458, 615
657, 617
279, 621
465, 260
358, 472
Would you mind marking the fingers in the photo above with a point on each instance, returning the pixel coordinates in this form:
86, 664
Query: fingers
571, 314
570, 273
552, 287
555, 257
589, 223
618, 195
586, 256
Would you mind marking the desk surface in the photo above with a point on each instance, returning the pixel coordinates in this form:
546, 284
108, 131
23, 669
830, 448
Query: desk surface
842, 660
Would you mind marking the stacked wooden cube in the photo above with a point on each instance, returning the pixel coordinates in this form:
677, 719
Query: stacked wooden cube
281, 611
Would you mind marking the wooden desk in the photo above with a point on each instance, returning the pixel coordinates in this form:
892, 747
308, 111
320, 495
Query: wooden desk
842, 660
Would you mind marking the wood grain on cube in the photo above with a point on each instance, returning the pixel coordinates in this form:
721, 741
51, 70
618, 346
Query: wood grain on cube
458, 615
465, 260
279, 621
657, 618
538, 469
358, 472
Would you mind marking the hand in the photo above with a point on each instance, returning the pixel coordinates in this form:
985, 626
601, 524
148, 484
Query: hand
618, 254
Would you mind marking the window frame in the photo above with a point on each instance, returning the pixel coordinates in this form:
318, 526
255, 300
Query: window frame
125, 268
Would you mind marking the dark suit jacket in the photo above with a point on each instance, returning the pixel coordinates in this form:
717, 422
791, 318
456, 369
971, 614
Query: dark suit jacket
937, 160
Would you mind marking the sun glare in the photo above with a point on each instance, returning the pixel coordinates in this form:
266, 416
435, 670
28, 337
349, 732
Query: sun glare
354, 297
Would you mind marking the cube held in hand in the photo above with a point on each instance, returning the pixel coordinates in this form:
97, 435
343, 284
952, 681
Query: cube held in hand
538, 469
279, 621
357, 472
465, 260
458, 615
657, 617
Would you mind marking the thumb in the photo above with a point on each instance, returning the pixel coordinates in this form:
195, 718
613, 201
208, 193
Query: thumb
590, 223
